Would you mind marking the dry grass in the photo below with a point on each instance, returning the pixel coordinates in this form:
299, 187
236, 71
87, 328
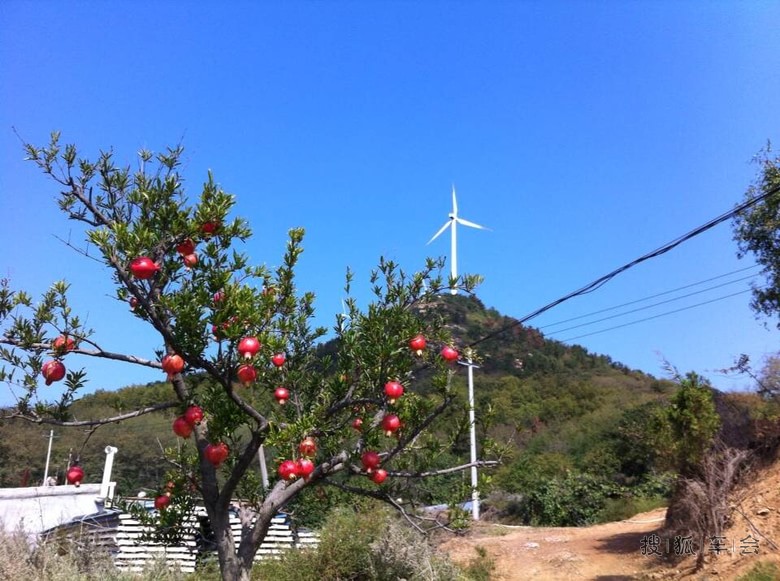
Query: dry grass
64, 561
702, 506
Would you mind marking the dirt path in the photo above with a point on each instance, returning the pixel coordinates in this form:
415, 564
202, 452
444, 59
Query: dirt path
608, 552
613, 551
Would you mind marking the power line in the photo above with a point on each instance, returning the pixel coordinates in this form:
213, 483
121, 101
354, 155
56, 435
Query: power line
657, 316
674, 290
685, 296
599, 282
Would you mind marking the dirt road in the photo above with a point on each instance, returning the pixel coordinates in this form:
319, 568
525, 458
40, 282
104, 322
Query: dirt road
608, 552
613, 551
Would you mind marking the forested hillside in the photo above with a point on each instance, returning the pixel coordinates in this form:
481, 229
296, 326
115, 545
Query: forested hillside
567, 422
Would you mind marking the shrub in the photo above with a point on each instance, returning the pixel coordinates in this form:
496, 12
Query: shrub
365, 544
574, 500
481, 567
625, 507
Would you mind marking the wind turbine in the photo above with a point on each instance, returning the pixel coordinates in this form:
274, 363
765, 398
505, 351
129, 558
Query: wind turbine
453, 224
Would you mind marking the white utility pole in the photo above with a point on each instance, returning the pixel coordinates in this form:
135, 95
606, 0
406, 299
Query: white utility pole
473, 435
48, 457
263, 467
106, 492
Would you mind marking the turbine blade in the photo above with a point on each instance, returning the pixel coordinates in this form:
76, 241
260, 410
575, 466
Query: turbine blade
442, 229
454, 202
470, 224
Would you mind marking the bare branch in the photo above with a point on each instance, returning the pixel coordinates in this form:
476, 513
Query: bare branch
81, 251
478, 463
402, 442
90, 432
82, 423
755, 528
386, 498
99, 353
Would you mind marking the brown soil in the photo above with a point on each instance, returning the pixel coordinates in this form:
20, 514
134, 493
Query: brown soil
613, 551
604, 552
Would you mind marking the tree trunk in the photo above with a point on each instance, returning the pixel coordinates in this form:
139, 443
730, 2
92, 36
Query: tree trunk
235, 562
230, 566
235, 571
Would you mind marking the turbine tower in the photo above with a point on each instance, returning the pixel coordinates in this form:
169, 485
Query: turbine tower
453, 224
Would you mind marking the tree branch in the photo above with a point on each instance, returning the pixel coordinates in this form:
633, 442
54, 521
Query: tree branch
99, 353
402, 442
478, 463
261, 420
386, 498
82, 423
240, 468
346, 402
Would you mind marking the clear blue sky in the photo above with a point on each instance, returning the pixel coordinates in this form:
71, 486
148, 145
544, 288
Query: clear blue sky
584, 134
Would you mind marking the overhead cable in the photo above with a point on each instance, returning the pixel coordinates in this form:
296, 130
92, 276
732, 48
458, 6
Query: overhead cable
658, 316
650, 306
599, 282
629, 303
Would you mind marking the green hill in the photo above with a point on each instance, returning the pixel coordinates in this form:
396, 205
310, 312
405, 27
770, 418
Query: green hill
555, 411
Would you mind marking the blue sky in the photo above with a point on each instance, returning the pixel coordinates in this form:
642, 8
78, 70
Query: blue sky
584, 134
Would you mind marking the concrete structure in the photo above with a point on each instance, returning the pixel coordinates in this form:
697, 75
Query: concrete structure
38, 508
35, 509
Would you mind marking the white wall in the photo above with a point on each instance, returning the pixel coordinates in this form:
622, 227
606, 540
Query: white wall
35, 509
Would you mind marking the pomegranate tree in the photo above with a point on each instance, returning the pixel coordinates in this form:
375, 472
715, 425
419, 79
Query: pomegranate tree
177, 259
